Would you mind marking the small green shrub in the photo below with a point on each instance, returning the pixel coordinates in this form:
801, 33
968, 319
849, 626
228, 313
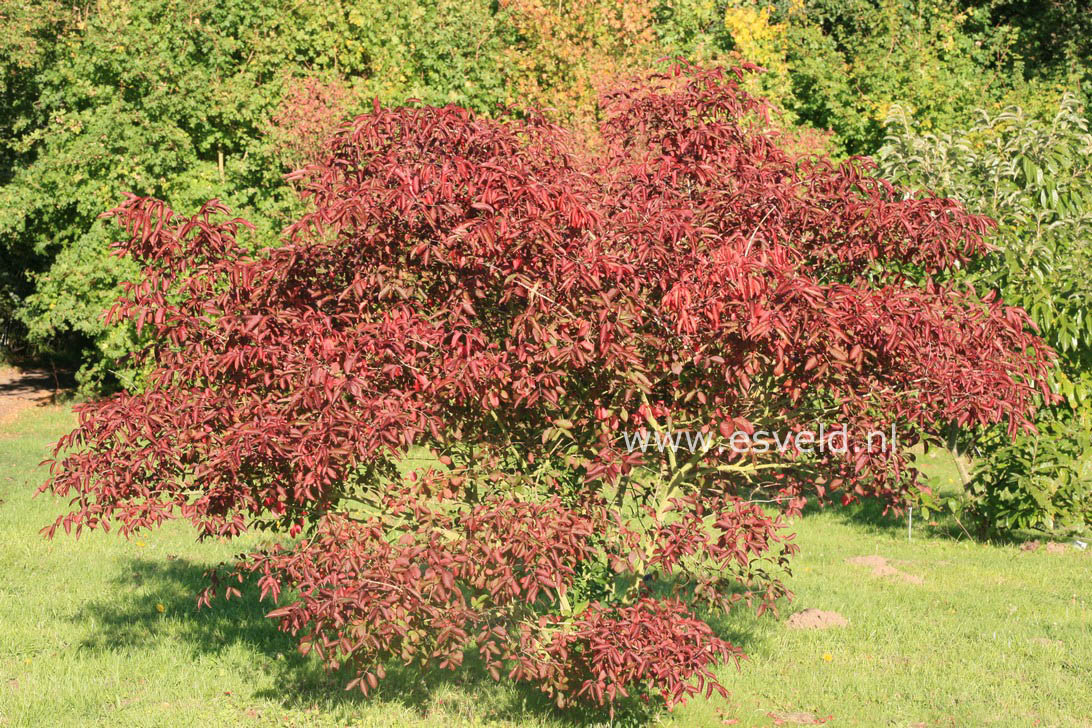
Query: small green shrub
1035, 179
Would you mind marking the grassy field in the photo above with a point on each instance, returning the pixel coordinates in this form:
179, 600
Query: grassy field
103, 632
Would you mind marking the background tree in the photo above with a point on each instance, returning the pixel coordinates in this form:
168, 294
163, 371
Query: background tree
1035, 179
175, 99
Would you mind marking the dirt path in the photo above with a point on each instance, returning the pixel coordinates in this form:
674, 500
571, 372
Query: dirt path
23, 388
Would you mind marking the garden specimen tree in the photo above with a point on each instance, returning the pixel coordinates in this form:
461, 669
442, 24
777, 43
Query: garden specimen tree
515, 303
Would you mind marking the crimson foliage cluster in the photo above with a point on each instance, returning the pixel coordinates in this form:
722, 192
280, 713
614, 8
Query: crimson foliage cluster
426, 385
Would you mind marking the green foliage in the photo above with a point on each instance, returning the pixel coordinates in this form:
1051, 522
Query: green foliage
1042, 481
1055, 37
1035, 179
174, 99
840, 64
24, 48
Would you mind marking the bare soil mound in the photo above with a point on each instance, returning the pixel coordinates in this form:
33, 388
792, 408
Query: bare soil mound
880, 567
815, 619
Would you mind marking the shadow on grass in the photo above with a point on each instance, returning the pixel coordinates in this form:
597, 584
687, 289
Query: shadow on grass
128, 622
869, 514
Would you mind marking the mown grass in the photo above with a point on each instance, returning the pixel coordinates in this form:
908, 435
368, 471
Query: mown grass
994, 636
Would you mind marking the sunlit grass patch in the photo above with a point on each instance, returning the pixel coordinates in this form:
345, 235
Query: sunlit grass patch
104, 631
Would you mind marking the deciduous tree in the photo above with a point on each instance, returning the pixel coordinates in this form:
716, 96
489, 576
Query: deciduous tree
499, 296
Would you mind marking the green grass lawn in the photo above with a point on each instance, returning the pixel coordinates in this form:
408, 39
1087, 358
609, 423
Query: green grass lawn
104, 632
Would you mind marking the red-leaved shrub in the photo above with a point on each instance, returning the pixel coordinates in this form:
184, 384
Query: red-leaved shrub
307, 115
430, 383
